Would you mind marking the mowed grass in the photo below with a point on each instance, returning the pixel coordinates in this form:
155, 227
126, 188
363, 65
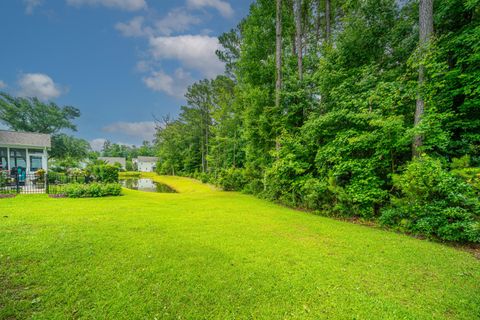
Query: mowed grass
207, 254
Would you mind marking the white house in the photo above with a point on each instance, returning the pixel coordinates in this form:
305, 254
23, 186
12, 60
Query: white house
115, 160
146, 164
25, 152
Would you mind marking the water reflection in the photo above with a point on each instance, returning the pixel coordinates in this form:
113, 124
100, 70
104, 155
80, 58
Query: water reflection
147, 185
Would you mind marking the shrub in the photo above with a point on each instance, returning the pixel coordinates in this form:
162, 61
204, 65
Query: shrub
202, 176
316, 194
104, 173
471, 175
434, 202
232, 179
92, 190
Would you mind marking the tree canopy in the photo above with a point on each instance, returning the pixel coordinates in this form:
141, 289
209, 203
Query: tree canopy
34, 115
340, 126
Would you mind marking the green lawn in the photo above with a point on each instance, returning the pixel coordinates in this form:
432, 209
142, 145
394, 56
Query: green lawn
206, 254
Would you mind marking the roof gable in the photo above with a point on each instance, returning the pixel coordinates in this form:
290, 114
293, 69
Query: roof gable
25, 139
147, 159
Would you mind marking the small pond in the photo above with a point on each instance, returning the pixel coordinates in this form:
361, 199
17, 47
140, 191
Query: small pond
147, 185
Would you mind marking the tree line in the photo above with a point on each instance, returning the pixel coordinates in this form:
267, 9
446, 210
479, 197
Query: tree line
365, 108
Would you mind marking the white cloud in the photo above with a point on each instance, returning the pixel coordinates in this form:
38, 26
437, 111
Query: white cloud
2, 84
97, 144
223, 7
38, 85
129, 5
174, 85
144, 130
177, 20
30, 5
193, 51
133, 28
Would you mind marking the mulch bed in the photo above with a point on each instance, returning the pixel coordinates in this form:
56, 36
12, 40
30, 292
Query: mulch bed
5, 196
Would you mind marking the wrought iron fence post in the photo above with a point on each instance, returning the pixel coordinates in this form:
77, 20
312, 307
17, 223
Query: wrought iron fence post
47, 191
17, 181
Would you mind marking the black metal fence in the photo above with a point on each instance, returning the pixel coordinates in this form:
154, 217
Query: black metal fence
33, 183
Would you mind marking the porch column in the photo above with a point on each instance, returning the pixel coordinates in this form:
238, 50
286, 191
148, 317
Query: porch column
45, 160
8, 159
27, 161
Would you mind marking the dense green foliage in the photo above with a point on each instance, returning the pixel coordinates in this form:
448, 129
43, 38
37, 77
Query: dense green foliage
125, 151
433, 201
91, 190
205, 254
344, 128
34, 115
103, 173
66, 147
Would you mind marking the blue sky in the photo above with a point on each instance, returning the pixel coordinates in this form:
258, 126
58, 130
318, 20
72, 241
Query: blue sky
118, 61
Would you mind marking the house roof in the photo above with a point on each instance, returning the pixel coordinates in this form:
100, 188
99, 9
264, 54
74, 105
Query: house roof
147, 159
113, 160
25, 139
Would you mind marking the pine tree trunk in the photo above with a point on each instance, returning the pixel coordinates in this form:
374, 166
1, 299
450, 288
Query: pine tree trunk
298, 37
328, 27
426, 31
278, 62
278, 54
317, 22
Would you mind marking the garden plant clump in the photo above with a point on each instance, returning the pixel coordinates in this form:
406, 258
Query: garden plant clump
92, 190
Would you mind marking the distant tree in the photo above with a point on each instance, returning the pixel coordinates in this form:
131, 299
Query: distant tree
34, 115
65, 146
146, 149
230, 51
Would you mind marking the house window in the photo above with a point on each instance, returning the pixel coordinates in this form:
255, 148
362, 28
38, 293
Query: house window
3, 159
18, 158
35, 151
35, 163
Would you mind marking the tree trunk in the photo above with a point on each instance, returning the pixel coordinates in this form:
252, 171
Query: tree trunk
278, 54
298, 37
317, 22
278, 62
206, 146
426, 31
328, 27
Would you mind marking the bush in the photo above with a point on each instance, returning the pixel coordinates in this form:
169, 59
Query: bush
104, 173
202, 176
434, 202
232, 179
471, 175
93, 190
